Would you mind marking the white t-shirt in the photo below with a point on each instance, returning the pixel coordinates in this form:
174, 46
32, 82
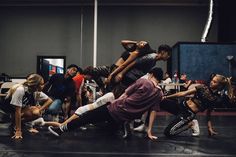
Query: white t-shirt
21, 97
168, 81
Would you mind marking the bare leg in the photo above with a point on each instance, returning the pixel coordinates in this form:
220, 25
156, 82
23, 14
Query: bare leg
52, 123
29, 114
74, 116
83, 109
66, 108
40, 121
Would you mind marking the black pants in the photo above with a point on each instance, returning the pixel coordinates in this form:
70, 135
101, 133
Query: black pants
171, 105
6, 106
100, 114
180, 123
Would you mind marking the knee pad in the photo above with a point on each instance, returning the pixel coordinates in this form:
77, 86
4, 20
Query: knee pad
99, 102
104, 99
81, 110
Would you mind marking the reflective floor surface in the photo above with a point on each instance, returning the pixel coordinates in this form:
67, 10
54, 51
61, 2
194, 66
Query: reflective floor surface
99, 142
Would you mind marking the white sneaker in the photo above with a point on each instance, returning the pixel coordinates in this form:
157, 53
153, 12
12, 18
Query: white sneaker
141, 128
195, 128
83, 128
40, 121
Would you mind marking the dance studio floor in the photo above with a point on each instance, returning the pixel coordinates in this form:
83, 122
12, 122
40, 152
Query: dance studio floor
95, 142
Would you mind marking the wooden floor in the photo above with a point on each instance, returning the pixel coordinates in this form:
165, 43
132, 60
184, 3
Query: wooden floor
98, 142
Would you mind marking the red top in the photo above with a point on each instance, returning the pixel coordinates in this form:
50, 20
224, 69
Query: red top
79, 80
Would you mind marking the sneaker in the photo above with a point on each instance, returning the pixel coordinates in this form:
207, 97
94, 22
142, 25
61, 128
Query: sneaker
141, 128
55, 130
40, 121
195, 128
137, 120
83, 128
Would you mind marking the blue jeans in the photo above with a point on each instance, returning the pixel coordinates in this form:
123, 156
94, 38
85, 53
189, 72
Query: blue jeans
55, 107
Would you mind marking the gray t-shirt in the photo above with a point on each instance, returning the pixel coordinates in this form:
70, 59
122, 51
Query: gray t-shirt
142, 66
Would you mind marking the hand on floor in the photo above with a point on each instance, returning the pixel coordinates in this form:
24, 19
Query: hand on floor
18, 135
151, 137
212, 132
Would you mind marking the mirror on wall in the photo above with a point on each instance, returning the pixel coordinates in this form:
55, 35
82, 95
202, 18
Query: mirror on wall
49, 65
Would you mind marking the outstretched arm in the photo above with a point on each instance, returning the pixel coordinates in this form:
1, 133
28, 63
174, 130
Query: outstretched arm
46, 104
129, 45
181, 94
211, 131
120, 75
131, 58
18, 133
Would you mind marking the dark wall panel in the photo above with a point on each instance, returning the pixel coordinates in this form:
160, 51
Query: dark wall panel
31, 31
199, 60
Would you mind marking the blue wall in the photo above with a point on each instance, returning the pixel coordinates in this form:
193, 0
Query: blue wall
199, 60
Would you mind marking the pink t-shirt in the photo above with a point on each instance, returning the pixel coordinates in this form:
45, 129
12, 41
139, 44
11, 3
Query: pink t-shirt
140, 97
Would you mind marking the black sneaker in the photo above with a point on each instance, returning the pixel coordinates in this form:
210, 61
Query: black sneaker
55, 130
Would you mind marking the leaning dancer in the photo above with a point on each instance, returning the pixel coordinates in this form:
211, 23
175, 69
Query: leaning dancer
143, 95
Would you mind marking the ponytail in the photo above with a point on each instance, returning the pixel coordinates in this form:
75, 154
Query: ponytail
12, 90
225, 83
230, 91
32, 82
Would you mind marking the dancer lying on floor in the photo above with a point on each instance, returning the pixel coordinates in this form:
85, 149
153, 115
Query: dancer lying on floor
205, 98
107, 98
143, 95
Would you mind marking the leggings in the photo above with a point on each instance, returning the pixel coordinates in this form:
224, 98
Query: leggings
180, 123
100, 114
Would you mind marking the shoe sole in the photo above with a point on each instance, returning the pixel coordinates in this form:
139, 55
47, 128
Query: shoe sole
53, 132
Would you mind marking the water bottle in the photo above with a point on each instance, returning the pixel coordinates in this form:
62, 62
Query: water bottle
175, 78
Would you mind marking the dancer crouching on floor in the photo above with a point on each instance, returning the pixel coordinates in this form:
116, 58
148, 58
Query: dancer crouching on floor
23, 103
205, 98
143, 95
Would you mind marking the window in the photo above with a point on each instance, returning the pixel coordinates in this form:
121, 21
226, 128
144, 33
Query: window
49, 65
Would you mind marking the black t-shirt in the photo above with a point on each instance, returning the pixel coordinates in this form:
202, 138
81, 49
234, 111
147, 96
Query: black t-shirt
145, 50
182, 88
130, 47
142, 51
60, 87
125, 55
205, 98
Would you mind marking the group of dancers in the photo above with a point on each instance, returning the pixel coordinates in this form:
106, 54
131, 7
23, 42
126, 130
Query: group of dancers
130, 89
